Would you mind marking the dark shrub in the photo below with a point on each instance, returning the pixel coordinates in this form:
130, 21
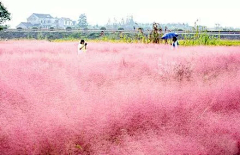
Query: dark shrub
68, 28
103, 28
34, 28
19, 28
51, 28
120, 28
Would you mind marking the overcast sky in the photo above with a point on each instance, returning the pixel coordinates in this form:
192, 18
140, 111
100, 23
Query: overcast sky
209, 12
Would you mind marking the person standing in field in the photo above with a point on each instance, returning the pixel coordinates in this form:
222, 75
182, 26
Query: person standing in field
82, 47
102, 33
155, 33
160, 35
166, 29
175, 43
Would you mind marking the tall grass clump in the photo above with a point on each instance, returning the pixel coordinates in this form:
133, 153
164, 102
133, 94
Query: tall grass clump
200, 37
117, 98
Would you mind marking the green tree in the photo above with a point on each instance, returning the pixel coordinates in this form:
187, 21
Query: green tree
103, 28
82, 21
4, 15
121, 28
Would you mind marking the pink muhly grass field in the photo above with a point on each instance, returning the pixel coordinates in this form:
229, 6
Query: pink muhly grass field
118, 99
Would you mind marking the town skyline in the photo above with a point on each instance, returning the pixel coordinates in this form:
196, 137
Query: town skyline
208, 13
47, 21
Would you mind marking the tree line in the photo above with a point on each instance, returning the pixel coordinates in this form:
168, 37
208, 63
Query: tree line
4, 16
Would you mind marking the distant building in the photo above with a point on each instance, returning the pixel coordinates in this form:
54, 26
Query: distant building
64, 23
45, 21
25, 25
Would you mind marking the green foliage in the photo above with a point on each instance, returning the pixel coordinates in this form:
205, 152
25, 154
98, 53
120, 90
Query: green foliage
93, 35
68, 28
34, 28
200, 38
120, 28
51, 28
40, 36
4, 14
19, 28
3, 27
49, 38
75, 35
82, 21
214, 42
103, 28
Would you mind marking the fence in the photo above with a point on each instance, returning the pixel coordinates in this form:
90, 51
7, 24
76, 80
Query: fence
93, 33
111, 30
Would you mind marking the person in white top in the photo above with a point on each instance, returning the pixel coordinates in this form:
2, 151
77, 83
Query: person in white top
82, 47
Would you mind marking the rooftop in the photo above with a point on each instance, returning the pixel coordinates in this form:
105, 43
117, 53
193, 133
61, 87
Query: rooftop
43, 15
26, 24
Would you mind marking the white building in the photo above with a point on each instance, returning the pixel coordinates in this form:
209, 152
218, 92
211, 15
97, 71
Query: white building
63, 23
45, 21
